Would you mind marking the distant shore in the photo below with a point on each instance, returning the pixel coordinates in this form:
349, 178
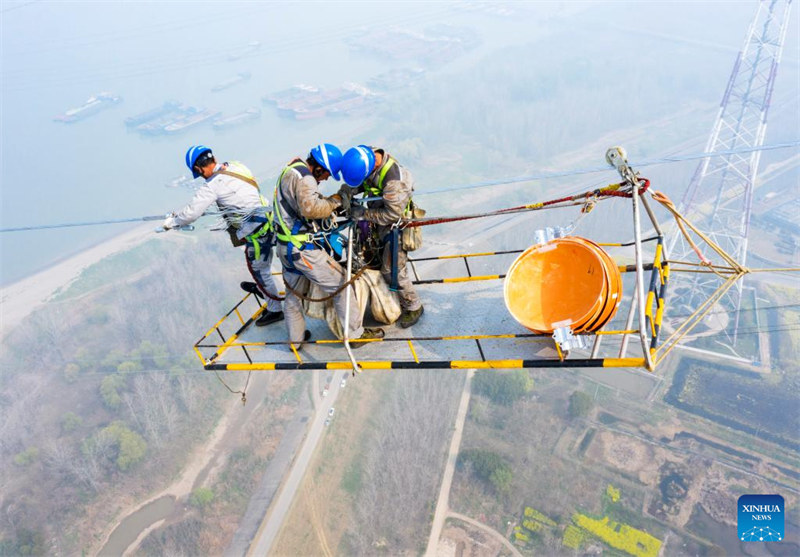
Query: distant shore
21, 298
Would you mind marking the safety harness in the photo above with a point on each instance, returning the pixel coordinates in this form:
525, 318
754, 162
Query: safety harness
393, 237
291, 237
266, 220
301, 235
377, 190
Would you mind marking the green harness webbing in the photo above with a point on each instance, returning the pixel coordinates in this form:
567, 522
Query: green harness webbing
285, 234
377, 191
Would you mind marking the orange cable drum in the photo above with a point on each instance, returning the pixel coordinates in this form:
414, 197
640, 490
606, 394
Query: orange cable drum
566, 282
614, 283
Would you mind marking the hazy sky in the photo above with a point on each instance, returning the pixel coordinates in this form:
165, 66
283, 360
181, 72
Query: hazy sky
57, 54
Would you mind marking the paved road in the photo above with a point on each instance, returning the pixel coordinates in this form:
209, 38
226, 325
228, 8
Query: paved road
271, 525
442, 503
271, 480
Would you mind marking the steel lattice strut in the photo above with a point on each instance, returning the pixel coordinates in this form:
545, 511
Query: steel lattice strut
720, 195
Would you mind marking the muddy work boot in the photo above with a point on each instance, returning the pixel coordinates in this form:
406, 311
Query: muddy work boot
410, 317
368, 334
269, 317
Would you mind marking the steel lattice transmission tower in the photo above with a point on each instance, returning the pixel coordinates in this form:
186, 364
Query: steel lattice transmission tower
720, 196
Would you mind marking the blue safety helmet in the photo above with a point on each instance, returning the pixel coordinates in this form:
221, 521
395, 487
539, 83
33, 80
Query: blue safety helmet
194, 153
329, 157
357, 163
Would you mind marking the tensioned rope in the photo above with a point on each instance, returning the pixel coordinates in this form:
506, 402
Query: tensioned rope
514, 180
587, 198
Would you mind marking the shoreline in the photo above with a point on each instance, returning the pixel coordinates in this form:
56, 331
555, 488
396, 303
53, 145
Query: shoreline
21, 298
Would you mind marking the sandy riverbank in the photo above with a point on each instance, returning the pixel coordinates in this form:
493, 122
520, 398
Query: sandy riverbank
19, 299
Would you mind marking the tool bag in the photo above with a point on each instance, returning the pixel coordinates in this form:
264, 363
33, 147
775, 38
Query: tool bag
237, 242
411, 237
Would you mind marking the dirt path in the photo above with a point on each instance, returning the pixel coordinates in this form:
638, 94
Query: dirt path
309, 489
442, 503
491, 531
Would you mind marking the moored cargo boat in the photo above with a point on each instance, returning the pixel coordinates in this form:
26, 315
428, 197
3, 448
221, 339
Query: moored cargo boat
93, 105
228, 83
158, 125
191, 121
295, 93
237, 119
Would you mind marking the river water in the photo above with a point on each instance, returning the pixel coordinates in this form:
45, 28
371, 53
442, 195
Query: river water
130, 528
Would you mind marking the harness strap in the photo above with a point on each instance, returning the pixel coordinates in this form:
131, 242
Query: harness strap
378, 190
242, 177
253, 238
394, 237
289, 237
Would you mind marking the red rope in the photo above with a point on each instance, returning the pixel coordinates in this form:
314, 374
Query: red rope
610, 191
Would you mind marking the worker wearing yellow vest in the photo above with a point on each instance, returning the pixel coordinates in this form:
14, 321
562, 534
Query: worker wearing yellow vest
297, 204
378, 175
233, 188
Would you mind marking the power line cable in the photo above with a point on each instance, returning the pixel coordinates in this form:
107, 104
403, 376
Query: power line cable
530, 178
642, 163
17, 6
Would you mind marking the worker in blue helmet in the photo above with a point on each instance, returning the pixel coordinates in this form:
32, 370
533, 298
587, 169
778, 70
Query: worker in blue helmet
235, 191
298, 206
377, 174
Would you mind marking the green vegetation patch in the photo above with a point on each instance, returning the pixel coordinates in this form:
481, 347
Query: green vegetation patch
573, 537
533, 514
533, 521
26, 457
201, 497
502, 387
489, 467
131, 447
613, 493
580, 404
351, 479
738, 399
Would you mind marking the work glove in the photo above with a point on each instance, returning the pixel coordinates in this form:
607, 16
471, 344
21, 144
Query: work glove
169, 222
346, 193
357, 212
336, 199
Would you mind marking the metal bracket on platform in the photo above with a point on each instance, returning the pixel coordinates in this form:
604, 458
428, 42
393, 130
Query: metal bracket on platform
566, 340
544, 235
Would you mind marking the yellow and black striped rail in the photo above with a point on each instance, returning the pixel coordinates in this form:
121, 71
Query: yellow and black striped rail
656, 294
443, 364
654, 312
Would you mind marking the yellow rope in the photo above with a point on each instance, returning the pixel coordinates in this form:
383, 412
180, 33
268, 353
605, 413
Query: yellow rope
776, 270
692, 264
681, 221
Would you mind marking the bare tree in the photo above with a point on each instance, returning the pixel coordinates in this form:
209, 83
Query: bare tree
401, 470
